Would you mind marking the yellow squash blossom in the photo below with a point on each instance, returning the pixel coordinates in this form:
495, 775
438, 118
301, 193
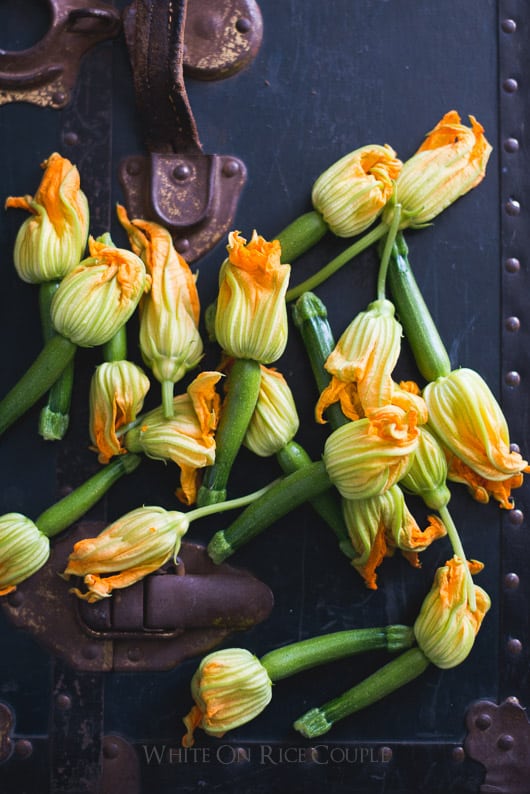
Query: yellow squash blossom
187, 438
98, 297
427, 473
24, 549
251, 316
451, 161
353, 191
135, 545
446, 627
366, 457
230, 688
51, 242
275, 419
379, 525
169, 313
117, 392
468, 421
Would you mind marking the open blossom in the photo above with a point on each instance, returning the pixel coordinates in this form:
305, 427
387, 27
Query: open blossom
135, 545
169, 313
275, 419
352, 192
230, 688
51, 242
251, 316
117, 392
186, 438
451, 161
366, 457
24, 549
379, 525
469, 423
97, 298
446, 627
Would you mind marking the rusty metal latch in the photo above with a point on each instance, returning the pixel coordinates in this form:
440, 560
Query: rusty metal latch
193, 194
170, 616
45, 74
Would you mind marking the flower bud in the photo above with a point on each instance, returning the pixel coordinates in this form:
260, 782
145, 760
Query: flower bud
468, 421
363, 361
251, 316
135, 545
117, 392
24, 549
275, 420
98, 297
169, 313
186, 438
446, 627
364, 458
379, 525
427, 474
229, 688
451, 161
51, 242
353, 191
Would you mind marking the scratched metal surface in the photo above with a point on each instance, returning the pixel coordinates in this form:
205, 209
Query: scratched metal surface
328, 78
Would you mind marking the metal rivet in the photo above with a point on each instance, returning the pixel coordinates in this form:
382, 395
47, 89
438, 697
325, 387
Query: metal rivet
182, 245
514, 646
23, 748
71, 138
511, 145
63, 702
516, 517
509, 25
512, 324
512, 265
182, 172
483, 722
110, 749
312, 754
515, 448
90, 651
385, 754
511, 581
243, 25
134, 654
15, 599
512, 378
242, 755
510, 85
513, 701
505, 742
58, 97
512, 207
458, 754
231, 168
134, 167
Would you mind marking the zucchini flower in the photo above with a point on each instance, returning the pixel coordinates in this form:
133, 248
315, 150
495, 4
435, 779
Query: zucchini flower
230, 688
451, 161
169, 313
379, 525
24, 549
96, 298
468, 421
251, 316
361, 367
187, 438
366, 457
117, 392
427, 473
352, 193
133, 546
446, 627
51, 242
275, 419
